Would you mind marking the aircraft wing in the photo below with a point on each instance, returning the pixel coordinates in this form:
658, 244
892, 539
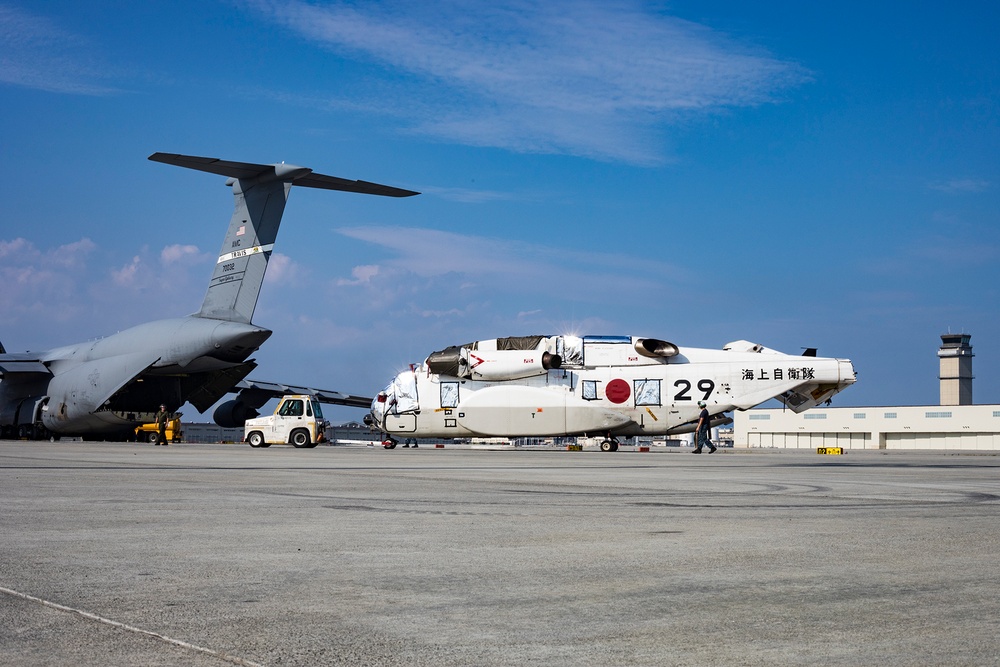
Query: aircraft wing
268, 390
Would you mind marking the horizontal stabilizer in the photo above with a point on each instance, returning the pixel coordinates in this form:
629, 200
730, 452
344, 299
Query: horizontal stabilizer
284, 172
363, 187
259, 195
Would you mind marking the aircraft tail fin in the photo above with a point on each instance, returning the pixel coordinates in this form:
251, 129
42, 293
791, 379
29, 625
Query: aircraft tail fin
260, 192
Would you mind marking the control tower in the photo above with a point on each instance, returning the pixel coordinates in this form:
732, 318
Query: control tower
956, 369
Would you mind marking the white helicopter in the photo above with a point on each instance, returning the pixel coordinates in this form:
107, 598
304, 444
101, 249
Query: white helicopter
609, 386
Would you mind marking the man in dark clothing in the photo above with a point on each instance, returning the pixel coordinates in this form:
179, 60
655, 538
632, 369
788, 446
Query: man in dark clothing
162, 417
701, 431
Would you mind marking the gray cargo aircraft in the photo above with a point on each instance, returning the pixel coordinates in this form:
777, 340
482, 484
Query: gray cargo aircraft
108, 386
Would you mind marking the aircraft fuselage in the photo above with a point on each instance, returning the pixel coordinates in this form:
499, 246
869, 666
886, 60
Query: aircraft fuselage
97, 384
616, 385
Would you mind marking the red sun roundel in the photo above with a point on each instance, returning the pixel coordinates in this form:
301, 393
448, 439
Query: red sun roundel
617, 391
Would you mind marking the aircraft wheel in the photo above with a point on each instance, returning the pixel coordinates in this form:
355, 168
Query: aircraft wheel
256, 439
608, 446
26, 432
389, 444
300, 438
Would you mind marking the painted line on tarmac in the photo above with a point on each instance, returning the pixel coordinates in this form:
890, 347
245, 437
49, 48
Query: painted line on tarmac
131, 628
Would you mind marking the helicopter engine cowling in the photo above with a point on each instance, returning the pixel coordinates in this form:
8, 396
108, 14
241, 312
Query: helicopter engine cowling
509, 364
654, 348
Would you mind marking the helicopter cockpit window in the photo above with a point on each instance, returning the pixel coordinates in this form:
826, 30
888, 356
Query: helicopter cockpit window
404, 388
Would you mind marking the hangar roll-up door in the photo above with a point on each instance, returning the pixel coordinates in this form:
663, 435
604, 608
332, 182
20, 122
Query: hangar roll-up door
942, 441
809, 440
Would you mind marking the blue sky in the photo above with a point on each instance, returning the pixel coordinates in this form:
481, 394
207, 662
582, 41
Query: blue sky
796, 174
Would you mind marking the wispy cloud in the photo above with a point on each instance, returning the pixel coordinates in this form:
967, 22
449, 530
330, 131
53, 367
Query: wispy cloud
961, 186
596, 79
42, 283
283, 270
37, 53
362, 275
97, 290
177, 253
128, 274
939, 250
470, 262
466, 195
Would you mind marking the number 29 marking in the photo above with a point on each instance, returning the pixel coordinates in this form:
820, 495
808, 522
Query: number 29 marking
705, 386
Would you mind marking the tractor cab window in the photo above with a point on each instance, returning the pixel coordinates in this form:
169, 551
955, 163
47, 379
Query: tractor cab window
291, 408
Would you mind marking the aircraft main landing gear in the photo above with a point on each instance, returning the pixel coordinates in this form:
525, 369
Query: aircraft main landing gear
609, 445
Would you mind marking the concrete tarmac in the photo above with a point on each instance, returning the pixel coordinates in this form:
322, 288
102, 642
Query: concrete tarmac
131, 554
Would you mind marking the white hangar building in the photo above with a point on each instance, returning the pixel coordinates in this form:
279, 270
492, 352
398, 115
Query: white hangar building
954, 424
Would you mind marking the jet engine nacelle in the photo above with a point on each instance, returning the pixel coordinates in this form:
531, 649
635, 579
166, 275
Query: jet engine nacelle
509, 364
654, 348
233, 414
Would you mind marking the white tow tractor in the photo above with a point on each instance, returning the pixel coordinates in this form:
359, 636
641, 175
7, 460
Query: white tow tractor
298, 420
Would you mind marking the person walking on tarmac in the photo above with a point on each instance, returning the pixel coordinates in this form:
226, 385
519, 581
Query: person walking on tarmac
162, 417
701, 432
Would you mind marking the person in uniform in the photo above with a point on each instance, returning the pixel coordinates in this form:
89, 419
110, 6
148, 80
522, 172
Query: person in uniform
162, 417
701, 431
